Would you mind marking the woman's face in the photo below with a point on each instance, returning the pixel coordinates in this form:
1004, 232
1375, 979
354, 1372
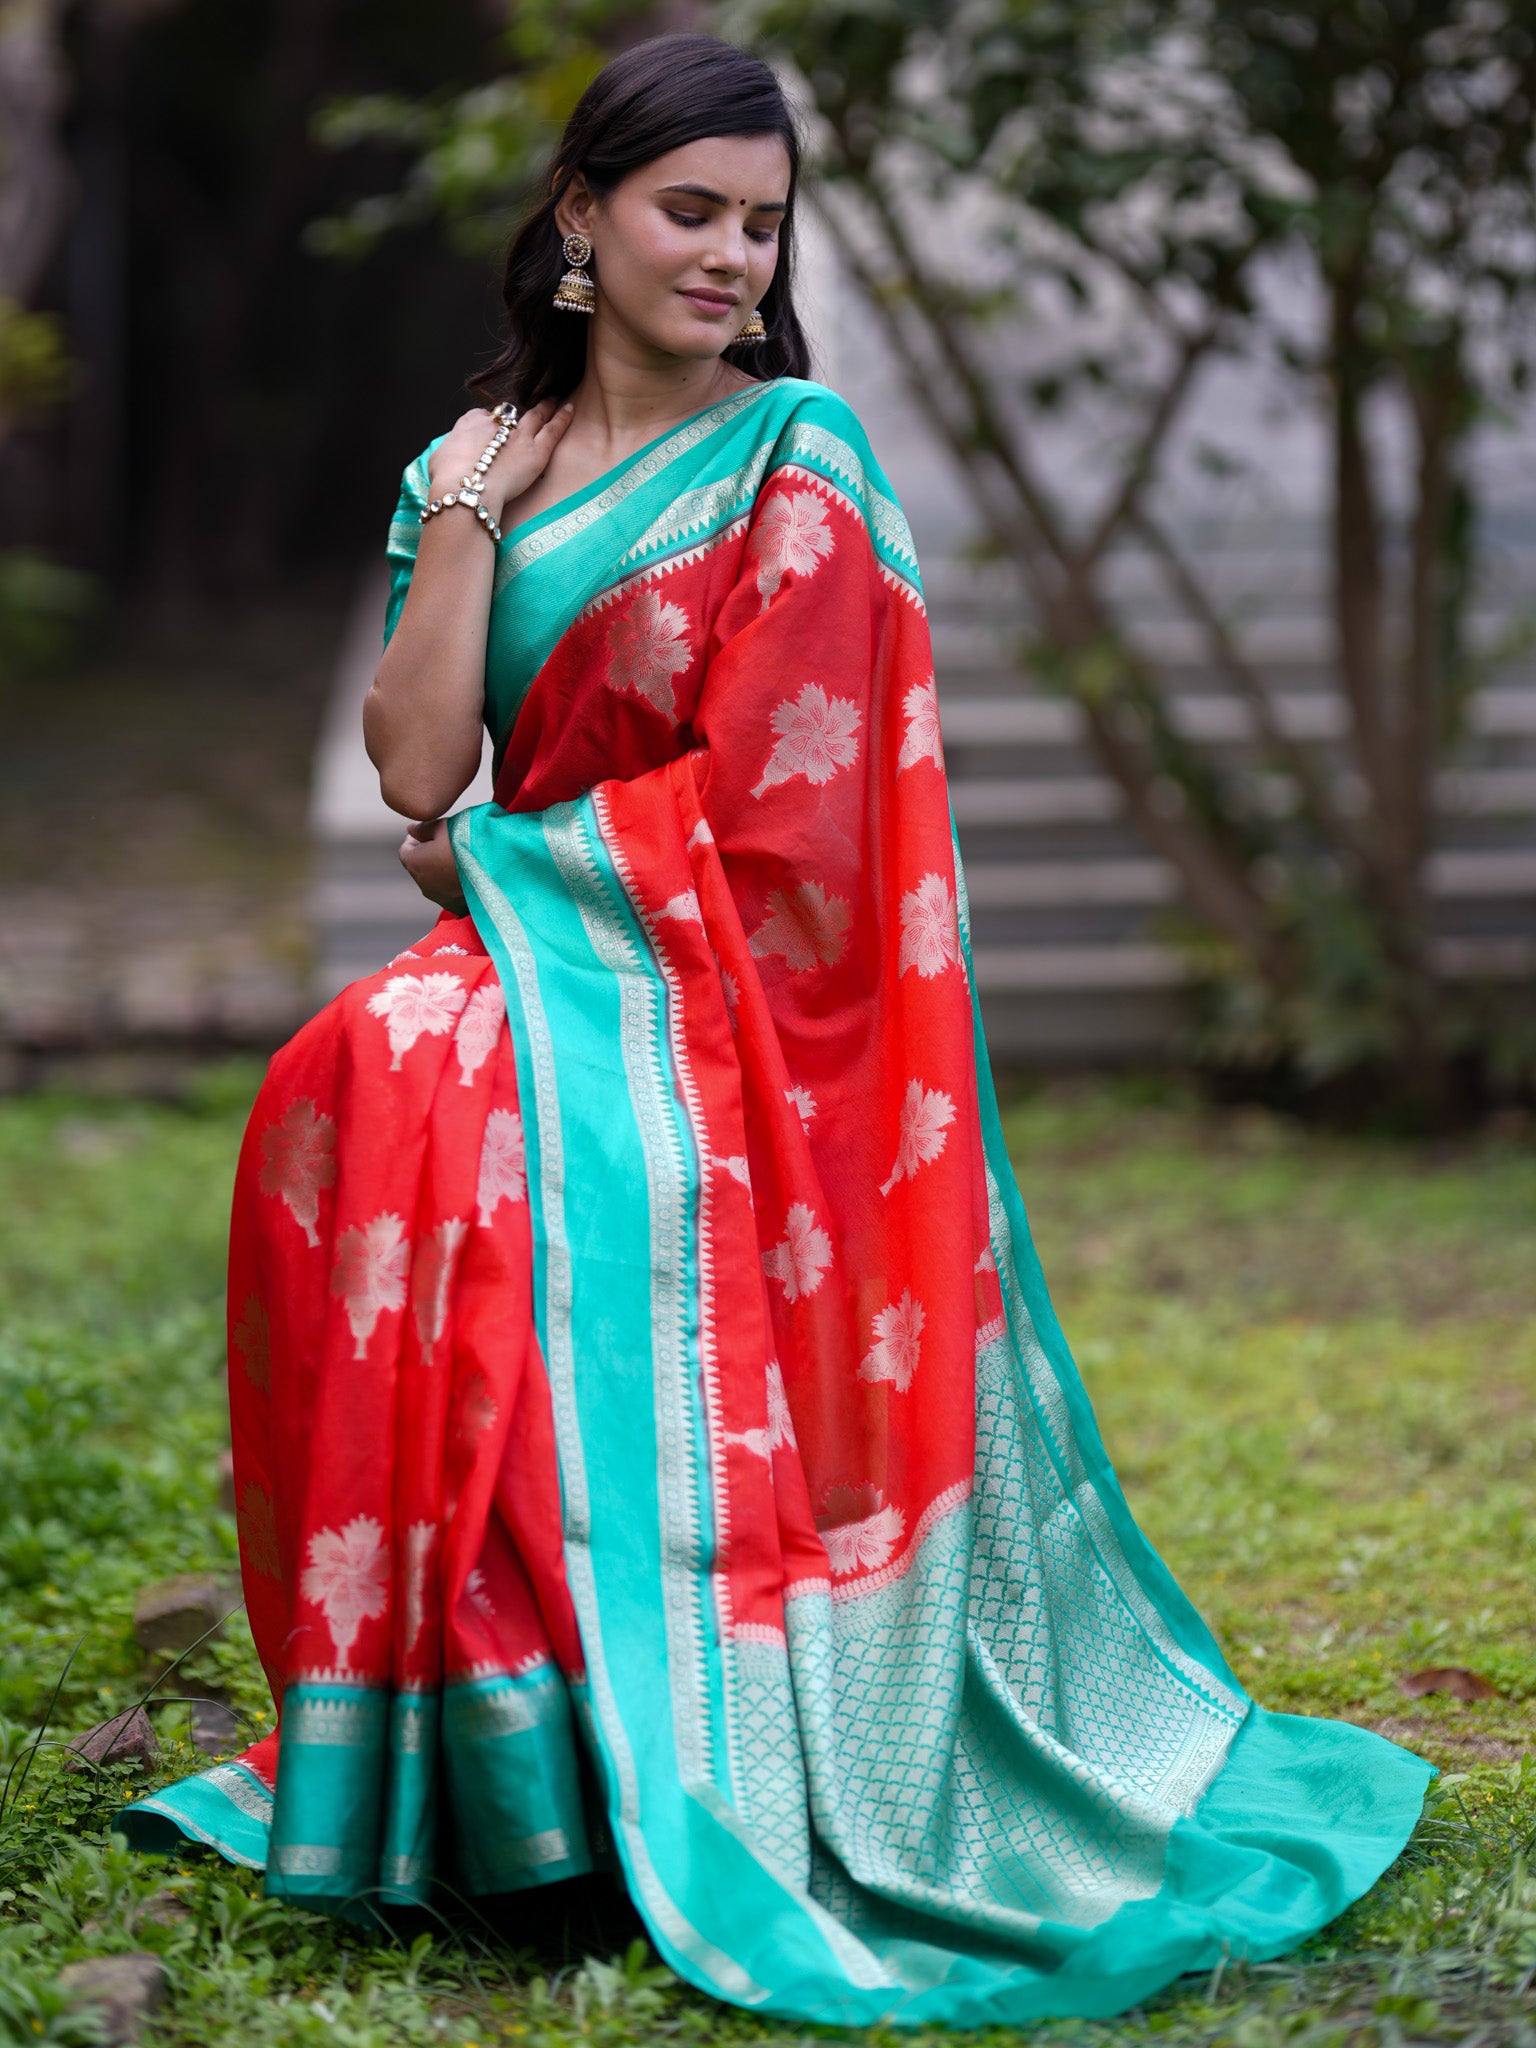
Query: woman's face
684, 248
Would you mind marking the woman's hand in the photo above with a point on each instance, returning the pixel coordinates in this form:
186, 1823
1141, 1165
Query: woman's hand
521, 462
427, 858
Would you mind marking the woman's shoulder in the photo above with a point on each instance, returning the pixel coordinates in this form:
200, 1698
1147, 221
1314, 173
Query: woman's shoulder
802, 398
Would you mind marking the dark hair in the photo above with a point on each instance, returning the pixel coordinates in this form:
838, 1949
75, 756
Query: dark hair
652, 98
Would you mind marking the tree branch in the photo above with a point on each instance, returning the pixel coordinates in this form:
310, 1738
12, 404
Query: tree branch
1289, 754
1164, 412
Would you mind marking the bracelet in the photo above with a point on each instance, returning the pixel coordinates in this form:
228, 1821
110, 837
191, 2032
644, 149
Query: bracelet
468, 492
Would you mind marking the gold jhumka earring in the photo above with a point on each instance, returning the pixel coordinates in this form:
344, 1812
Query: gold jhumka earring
575, 292
754, 329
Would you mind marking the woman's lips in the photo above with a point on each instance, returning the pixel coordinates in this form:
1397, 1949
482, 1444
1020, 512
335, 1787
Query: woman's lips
708, 302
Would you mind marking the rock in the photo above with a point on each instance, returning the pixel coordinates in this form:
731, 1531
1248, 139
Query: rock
125, 1739
124, 1990
215, 1729
227, 1499
160, 1909
171, 1615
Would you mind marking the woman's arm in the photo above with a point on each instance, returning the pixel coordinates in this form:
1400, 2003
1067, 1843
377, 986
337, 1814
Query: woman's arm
422, 718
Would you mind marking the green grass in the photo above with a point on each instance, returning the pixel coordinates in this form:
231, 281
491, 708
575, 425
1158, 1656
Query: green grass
1315, 1364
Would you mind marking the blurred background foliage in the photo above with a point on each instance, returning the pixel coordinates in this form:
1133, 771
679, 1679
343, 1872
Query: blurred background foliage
270, 270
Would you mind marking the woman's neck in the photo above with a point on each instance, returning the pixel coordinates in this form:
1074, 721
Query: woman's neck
631, 393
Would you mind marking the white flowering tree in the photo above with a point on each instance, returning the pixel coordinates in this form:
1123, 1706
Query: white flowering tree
1058, 207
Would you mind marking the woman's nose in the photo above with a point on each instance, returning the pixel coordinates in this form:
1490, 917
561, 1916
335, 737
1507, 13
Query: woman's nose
729, 251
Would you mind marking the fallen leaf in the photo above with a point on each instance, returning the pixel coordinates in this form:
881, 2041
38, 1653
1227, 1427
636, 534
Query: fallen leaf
1454, 1679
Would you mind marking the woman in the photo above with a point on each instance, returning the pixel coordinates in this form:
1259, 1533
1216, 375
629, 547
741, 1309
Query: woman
653, 1441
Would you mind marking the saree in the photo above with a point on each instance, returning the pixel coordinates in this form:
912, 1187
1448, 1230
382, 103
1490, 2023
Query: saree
654, 1444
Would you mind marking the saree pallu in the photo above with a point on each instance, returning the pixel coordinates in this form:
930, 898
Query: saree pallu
653, 1439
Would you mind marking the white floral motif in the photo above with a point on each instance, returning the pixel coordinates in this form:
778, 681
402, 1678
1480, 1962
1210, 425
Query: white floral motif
803, 1102
926, 1114
438, 952
413, 1004
894, 1354
868, 1543
348, 1578
503, 1163
922, 740
800, 1261
791, 534
369, 1277
781, 1426
701, 834
986, 1263
807, 926
730, 991
684, 907
480, 1595
930, 931
817, 736
648, 650
437, 1254
420, 1541
753, 1440
298, 1160
479, 1408
479, 1029
735, 1164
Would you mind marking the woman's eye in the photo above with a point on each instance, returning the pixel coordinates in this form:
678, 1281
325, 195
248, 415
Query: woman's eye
686, 220
762, 234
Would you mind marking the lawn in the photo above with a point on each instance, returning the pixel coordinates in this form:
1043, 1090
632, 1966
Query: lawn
1315, 1363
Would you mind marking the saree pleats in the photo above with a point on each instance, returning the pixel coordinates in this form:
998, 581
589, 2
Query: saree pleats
652, 1434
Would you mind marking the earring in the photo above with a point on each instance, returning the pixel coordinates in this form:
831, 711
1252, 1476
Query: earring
754, 330
576, 292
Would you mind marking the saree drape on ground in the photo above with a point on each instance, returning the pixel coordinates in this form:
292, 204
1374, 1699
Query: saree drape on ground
653, 1439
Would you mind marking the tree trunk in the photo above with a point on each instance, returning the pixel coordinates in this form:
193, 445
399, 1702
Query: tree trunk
34, 171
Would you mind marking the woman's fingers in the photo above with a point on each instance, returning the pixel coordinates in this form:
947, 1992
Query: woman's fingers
556, 422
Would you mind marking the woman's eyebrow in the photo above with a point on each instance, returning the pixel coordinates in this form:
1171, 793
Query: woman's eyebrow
719, 198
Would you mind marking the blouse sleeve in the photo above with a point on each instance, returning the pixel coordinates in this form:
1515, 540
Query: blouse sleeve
405, 536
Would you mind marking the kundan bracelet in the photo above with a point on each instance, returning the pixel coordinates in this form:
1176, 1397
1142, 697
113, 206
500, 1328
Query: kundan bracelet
468, 492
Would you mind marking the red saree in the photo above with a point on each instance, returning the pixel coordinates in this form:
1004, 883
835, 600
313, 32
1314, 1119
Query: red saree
652, 1435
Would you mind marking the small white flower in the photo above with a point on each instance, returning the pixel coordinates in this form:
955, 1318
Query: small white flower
804, 1104
930, 931
683, 907
370, 1273
479, 1029
781, 1424
648, 650
735, 1164
415, 1005
701, 834
753, 1440
437, 1255
926, 1115
922, 740
868, 1543
807, 926
347, 1577
503, 1163
894, 1354
298, 1161
817, 736
479, 1594
800, 1261
791, 536
420, 1541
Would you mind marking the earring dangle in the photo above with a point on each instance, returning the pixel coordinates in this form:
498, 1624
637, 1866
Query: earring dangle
754, 329
576, 292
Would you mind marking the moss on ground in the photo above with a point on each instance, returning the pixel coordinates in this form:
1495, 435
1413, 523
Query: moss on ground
1315, 1365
